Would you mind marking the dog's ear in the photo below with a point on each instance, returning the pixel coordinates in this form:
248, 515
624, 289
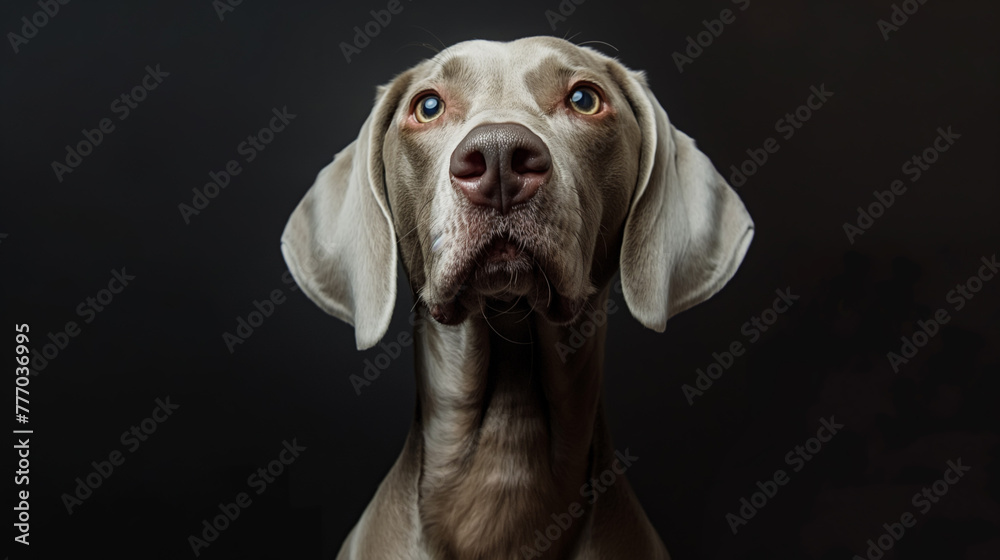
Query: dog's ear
687, 230
340, 244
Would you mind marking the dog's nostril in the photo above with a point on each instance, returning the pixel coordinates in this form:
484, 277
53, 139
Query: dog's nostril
525, 161
471, 165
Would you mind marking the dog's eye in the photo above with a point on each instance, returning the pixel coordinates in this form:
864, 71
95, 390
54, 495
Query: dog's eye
585, 100
429, 108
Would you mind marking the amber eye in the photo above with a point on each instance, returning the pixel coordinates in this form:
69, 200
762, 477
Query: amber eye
428, 108
585, 100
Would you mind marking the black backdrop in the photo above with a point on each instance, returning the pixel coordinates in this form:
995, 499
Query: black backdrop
63, 235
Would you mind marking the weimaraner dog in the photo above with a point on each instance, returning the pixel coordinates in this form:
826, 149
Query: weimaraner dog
514, 180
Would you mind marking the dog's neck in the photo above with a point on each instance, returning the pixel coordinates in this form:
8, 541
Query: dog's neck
510, 423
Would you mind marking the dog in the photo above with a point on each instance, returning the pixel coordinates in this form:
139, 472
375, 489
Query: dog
514, 181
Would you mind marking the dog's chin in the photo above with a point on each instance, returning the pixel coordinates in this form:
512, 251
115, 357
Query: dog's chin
505, 277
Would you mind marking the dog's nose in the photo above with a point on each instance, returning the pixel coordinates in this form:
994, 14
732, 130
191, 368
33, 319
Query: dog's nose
500, 165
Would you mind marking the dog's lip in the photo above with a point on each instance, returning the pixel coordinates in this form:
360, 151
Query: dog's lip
502, 247
504, 254
492, 254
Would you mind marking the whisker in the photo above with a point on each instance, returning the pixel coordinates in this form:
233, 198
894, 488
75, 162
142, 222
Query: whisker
547, 283
431, 33
482, 310
508, 310
598, 42
432, 48
416, 300
414, 44
419, 223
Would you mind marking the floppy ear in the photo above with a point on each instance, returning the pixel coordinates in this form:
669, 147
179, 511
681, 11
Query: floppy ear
340, 244
687, 231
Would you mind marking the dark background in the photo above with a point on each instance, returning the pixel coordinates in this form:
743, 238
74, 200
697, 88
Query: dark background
162, 336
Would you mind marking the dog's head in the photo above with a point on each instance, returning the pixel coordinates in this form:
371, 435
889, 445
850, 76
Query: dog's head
528, 170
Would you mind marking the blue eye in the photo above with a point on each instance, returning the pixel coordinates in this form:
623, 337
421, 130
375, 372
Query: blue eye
429, 108
585, 100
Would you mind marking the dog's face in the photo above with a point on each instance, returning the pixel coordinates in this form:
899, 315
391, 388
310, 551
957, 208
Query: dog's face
509, 170
525, 171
